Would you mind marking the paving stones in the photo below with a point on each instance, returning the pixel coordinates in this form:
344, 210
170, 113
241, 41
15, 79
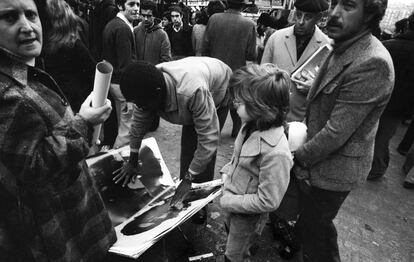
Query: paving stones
375, 224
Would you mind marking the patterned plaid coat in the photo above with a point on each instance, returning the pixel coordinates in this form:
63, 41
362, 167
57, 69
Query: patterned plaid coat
49, 209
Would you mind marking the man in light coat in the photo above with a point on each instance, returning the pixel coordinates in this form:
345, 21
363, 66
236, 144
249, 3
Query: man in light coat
346, 101
191, 92
290, 47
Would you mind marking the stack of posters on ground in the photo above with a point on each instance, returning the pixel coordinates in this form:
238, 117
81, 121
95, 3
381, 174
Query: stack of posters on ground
123, 202
141, 212
156, 219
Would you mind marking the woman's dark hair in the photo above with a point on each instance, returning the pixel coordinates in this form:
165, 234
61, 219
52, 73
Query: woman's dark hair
376, 8
264, 90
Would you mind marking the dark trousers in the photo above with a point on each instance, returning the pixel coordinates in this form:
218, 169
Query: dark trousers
289, 206
388, 124
110, 126
315, 226
408, 138
189, 145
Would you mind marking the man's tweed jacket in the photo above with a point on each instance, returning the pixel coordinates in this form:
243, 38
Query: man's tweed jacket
345, 103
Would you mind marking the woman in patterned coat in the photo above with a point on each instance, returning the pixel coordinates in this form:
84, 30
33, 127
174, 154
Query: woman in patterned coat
49, 209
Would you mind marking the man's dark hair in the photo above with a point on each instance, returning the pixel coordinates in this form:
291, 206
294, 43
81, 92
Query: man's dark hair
411, 21
376, 8
176, 8
401, 25
267, 20
234, 4
215, 7
143, 84
149, 5
120, 3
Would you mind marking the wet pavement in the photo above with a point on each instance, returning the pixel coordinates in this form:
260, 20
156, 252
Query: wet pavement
376, 222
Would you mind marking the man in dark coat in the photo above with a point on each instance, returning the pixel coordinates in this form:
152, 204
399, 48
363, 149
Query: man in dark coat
119, 50
231, 38
104, 11
401, 104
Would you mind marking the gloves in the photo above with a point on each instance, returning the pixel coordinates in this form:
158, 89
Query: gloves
182, 190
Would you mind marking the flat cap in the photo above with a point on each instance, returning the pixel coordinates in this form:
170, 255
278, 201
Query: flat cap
312, 6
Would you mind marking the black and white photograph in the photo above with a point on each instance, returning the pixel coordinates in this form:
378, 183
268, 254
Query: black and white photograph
206, 130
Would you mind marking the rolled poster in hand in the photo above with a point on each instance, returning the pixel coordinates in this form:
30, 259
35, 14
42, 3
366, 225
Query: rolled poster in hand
103, 76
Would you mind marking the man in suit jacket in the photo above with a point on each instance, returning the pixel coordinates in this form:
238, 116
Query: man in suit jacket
118, 48
231, 38
290, 47
346, 100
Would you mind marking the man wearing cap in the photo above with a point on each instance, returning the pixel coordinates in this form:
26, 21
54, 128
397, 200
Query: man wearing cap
290, 47
231, 38
179, 34
191, 92
345, 103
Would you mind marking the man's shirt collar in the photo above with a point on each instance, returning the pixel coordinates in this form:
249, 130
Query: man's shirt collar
123, 18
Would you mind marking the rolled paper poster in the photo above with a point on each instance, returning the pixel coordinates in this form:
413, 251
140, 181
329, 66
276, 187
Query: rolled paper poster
297, 135
103, 74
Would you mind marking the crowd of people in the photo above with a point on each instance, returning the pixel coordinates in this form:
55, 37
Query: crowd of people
192, 69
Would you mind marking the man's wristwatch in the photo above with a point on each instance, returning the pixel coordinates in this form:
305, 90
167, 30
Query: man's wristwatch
188, 176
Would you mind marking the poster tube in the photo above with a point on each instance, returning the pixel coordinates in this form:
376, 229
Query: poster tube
103, 74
